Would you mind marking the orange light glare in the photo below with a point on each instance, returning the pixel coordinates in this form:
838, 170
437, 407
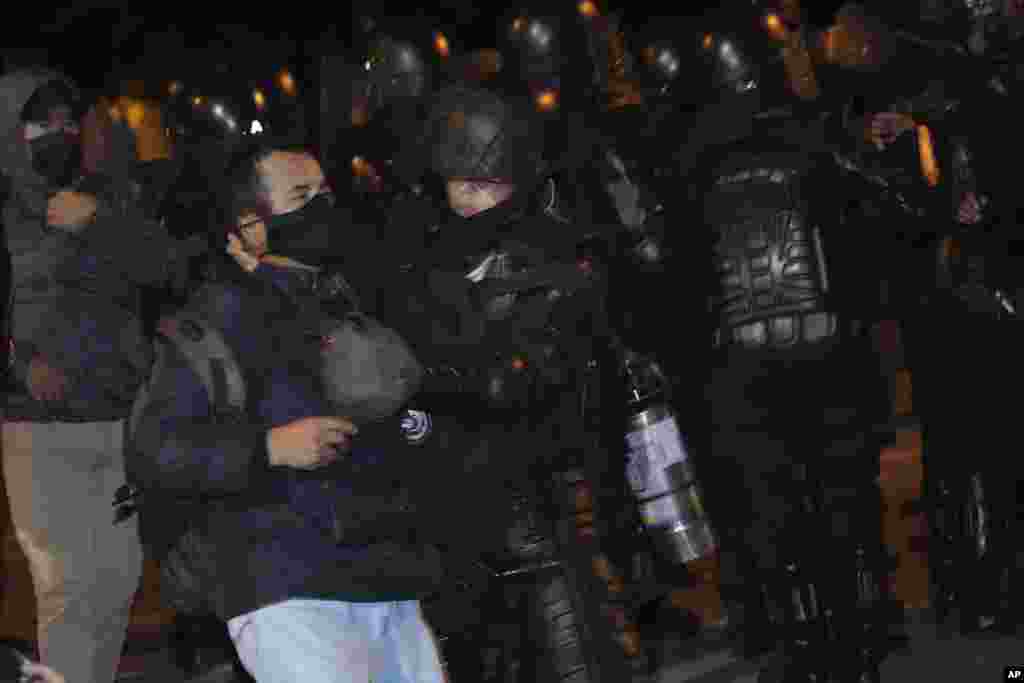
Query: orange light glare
776, 29
547, 100
135, 114
926, 152
587, 8
441, 44
287, 82
259, 99
709, 40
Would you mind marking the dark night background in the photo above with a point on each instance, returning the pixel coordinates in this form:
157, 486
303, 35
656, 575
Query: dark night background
100, 46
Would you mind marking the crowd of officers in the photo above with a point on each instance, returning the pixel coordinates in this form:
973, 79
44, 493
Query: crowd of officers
791, 209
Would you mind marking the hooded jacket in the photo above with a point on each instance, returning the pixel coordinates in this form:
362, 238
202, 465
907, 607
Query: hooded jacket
74, 293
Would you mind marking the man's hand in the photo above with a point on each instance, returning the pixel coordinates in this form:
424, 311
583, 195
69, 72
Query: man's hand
237, 251
310, 443
970, 209
883, 128
45, 382
69, 209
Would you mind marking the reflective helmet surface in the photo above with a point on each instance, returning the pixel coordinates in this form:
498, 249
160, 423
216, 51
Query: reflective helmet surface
384, 102
197, 117
738, 57
534, 44
982, 8
396, 69
474, 133
769, 50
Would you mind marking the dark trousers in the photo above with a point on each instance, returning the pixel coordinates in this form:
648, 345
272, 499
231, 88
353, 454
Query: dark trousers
966, 373
788, 425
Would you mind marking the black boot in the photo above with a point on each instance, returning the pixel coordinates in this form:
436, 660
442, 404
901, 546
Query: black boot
753, 624
944, 549
803, 653
860, 642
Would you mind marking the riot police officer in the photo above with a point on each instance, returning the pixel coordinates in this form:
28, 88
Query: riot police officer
505, 311
794, 386
971, 300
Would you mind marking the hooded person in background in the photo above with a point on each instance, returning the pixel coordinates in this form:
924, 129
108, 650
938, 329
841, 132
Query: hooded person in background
80, 252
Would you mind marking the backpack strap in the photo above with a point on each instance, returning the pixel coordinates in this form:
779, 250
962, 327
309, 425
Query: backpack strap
212, 360
138, 406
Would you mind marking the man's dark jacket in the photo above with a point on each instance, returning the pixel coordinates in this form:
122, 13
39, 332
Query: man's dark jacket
269, 533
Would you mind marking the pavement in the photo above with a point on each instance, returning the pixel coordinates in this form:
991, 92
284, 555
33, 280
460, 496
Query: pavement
933, 655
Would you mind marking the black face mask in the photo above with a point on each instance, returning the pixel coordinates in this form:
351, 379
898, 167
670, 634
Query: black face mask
306, 234
57, 157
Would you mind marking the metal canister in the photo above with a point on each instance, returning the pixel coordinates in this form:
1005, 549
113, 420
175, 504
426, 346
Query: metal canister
662, 478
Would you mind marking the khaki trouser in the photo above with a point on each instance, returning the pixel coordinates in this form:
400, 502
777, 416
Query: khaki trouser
61, 479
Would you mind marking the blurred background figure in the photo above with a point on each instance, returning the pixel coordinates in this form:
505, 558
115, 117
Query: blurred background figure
17, 666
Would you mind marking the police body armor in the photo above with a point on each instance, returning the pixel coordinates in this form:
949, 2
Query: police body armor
772, 275
758, 160
510, 318
512, 376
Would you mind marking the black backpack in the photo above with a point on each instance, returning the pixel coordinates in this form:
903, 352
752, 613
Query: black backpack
170, 528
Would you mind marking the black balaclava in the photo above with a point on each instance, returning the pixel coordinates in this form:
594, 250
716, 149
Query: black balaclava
56, 156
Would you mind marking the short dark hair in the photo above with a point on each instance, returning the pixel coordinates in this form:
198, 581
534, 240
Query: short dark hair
244, 190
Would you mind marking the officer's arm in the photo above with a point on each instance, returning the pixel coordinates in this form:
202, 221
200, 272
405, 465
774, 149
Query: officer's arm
180, 448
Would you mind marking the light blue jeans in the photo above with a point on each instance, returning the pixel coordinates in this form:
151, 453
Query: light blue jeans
326, 641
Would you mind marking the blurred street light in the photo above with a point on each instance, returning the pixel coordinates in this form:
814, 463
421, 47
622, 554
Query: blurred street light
287, 82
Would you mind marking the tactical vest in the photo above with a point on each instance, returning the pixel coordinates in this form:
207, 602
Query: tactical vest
506, 329
772, 278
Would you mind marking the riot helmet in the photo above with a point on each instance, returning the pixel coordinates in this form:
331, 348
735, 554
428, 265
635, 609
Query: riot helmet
400, 67
757, 53
402, 63
475, 134
980, 9
396, 69
208, 123
552, 57
534, 49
